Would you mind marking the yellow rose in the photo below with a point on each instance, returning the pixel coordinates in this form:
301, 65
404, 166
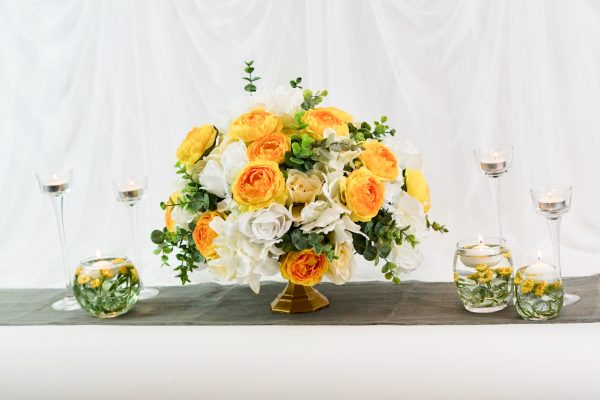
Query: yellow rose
255, 124
203, 235
301, 187
169, 222
417, 187
195, 144
258, 185
363, 194
271, 147
319, 119
304, 267
379, 160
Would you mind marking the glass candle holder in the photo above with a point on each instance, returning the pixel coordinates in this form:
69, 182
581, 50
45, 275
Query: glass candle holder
106, 286
494, 162
538, 291
56, 184
483, 270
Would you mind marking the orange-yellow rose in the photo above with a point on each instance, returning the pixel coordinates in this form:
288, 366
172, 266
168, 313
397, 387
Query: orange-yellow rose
271, 147
169, 222
255, 124
319, 119
417, 187
363, 194
203, 235
380, 160
195, 144
304, 267
258, 185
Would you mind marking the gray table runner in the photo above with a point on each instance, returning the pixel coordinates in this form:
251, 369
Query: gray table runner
360, 303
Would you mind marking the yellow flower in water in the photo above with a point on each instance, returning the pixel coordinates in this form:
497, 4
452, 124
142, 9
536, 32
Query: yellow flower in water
540, 289
527, 286
134, 275
518, 279
95, 283
474, 276
555, 285
504, 271
118, 260
83, 279
481, 267
78, 271
456, 276
507, 255
107, 273
486, 276
124, 270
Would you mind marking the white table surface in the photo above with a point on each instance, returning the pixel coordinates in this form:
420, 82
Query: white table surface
294, 362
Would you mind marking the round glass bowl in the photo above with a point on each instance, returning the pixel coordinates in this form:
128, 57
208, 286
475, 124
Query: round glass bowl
106, 286
538, 292
483, 270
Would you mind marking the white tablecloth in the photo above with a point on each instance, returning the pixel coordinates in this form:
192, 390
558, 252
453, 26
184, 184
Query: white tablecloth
292, 362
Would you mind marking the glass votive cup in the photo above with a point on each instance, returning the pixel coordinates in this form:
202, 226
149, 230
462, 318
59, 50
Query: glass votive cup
552, 201
130, 190
538, 291
494, 161
483, 270
106, 286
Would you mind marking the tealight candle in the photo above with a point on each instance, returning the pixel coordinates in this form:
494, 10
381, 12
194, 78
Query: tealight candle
55, 185
479, 254
493, 165
552, 202
129, 191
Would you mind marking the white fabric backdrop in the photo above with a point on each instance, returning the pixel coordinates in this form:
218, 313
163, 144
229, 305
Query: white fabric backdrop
109, 87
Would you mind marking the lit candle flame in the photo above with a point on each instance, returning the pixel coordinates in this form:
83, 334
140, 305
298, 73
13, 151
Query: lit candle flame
495, 155
129, 182
54, 177
480, 239
539, 255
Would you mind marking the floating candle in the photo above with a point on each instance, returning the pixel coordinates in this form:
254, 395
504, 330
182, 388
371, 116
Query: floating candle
479, 254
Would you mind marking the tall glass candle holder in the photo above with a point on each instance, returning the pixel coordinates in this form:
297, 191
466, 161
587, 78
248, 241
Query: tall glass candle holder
130, 191
56, 184
552, 202
495, 162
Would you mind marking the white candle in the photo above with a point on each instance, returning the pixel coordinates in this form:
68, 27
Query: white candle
130, 191
55, 185
552, 202
481, 254
495, 164
541, 271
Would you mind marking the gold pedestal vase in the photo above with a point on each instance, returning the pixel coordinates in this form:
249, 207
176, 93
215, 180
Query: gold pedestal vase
299, 299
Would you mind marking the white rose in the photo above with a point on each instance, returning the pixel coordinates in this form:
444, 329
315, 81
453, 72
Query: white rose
181, 217
234, 158
221, 169
267, 225
341, 269
405, 257
280, 101
212, 179
319, 216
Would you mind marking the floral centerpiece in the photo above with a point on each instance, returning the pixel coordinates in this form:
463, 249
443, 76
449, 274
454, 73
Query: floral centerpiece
292, 188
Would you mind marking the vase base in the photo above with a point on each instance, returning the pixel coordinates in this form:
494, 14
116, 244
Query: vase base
68, 303
485, 310
299, 299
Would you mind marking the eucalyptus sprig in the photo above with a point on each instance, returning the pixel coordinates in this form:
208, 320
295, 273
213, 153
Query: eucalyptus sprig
296, 83
312, 100
435, 226
193, 197
187, 254
378, 236
302, 155
249, 69
296, 240
365, 131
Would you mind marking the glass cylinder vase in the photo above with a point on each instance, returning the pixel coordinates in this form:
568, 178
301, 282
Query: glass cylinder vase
483, 270
538, 291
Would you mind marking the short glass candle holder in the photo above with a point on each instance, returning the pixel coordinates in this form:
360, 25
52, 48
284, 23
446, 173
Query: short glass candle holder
106, 286
483, 270
538, 292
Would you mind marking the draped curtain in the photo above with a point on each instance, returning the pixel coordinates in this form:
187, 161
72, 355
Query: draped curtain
111, 87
